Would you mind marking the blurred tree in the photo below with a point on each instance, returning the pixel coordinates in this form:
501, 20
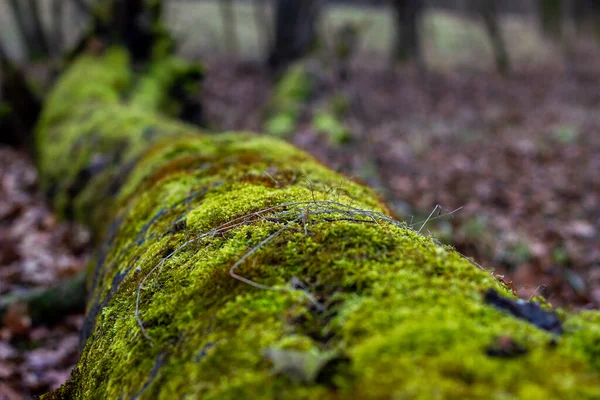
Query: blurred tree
229, 25
37, 28
19, 106
488, 9
263, 25
551, 17
407, 44
56, 41
345, 43
83, 7
27, 18
586, 16
296, 24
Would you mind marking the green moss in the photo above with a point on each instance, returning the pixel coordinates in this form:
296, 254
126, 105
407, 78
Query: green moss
370, 308
153, 90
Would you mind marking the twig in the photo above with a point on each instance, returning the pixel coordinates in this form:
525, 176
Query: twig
291, 213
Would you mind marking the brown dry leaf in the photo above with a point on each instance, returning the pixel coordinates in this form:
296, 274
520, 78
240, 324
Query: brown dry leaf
6, 370
16, 319
7, 393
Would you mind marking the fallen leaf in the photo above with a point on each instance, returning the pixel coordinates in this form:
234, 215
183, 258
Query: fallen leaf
16, 319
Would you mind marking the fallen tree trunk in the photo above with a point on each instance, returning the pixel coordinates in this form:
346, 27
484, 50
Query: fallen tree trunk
235, 266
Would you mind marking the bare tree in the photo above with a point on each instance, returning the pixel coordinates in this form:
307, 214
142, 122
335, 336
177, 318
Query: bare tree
37, 28
407, 44
296, 24
264, 28
229, 25
586, 16
19, 15
57, 39
551, 18
488, 9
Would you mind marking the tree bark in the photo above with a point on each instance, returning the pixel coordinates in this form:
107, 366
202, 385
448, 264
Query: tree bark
489, 12
586, 15
264, 28
407, 44
37, 28
57, 8
27, 27
229, 25
551, 18
296, 25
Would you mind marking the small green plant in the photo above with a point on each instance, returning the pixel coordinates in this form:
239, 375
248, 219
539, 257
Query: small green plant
281, 125
560, 255
566, 134
326, 123
290, 94
295, 86
340, 104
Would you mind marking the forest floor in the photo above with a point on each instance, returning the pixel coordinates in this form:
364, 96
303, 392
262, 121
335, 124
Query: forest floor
35, 251
518, 157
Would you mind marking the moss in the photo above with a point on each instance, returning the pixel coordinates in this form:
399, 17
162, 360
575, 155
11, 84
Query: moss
393, 314
153, 90
88, 148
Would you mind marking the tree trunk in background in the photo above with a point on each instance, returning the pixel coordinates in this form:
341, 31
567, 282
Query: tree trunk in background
37, 28
296, 23
22, 12
586, 14
19, 106
489, 12
407, 40
229, 26
264, 27
551, 18
57, 41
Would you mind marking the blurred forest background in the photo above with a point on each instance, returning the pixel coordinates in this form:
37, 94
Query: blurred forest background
477, 120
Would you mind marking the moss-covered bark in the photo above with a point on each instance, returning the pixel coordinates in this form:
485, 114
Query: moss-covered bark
235, 266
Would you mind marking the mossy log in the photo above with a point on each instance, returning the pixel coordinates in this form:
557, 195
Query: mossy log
235, 266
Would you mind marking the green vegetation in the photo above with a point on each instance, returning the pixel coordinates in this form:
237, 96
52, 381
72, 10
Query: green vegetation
329, 125
289, 97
